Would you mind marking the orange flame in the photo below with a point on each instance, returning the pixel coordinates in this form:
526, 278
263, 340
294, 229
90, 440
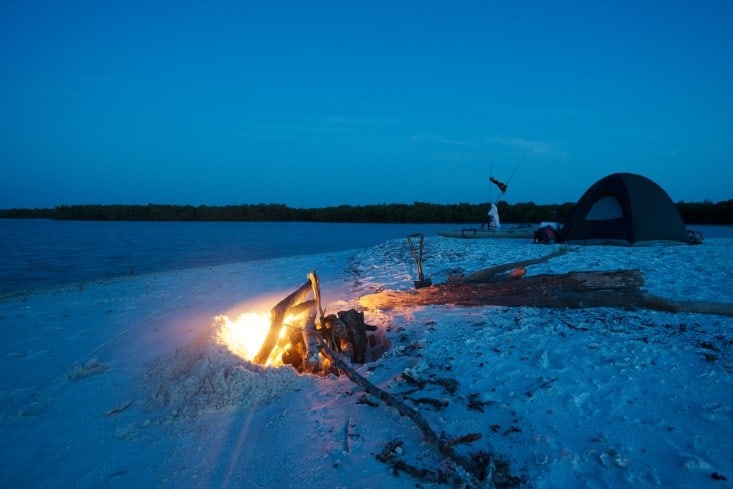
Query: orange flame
244, 336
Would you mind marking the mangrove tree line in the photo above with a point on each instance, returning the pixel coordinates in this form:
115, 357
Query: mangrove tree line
524, 212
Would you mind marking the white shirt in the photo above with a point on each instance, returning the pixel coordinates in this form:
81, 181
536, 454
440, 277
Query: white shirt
494, 217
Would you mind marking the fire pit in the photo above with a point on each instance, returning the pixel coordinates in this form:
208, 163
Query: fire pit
297, 331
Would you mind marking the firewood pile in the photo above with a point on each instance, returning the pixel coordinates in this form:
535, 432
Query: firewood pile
309, 330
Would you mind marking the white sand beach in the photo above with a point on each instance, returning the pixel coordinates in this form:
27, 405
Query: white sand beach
122, 382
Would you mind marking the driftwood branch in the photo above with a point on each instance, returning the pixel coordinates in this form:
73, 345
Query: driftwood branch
445, 447
316, 287
489, 274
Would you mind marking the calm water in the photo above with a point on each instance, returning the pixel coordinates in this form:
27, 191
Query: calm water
40, 253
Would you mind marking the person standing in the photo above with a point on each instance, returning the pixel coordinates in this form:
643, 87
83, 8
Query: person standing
492, 218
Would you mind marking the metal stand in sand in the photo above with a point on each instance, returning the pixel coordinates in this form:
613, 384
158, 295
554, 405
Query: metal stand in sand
417, 254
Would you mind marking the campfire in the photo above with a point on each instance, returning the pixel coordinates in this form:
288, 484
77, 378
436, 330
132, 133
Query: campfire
296, 332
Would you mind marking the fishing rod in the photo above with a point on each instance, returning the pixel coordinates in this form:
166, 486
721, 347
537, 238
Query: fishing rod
517, 167
491, 172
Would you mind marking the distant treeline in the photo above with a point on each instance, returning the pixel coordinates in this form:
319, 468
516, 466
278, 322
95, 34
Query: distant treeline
525, 212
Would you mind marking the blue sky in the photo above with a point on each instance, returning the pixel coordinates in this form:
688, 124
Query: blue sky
314, 104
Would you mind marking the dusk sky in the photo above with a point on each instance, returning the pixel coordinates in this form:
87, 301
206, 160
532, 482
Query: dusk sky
314, 104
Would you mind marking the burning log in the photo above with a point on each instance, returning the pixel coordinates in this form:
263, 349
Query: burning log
311, 338
277, 315
356, 334
294, 344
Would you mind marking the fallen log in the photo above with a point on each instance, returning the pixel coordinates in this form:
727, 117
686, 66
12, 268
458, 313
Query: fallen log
703, 307
619, 288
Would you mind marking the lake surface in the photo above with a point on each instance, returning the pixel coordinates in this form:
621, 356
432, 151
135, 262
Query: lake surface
37, 253
40, 253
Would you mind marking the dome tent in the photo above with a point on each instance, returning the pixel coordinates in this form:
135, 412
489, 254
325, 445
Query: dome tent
623, 208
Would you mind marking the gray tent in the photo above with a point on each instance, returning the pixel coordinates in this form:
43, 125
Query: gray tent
623, 208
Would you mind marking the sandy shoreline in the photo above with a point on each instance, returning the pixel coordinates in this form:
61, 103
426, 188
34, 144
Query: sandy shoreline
573, 398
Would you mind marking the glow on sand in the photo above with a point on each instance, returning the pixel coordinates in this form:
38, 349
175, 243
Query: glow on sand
244, 336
